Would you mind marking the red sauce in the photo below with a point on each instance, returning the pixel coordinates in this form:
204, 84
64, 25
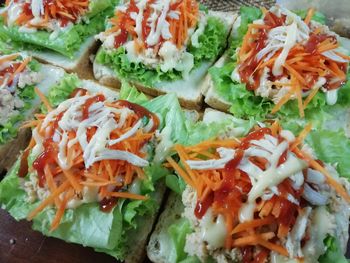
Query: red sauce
141, 112
231, 166
287, 214
78, 92
255, 135
46, 157
23, 167
203, 205
314, 40
283, 158
272, 20
107, 204
247, 69
121, 38
89, 102
247, 254
55, 123
27, 10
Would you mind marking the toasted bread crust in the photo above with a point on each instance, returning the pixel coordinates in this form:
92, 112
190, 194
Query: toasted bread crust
10, 151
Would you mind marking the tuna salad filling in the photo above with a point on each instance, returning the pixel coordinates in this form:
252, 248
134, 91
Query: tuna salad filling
265, 196
17, 80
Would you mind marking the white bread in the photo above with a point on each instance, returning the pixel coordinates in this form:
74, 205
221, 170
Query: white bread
138, 239
80, 64
212, 98
188, 91
158, 246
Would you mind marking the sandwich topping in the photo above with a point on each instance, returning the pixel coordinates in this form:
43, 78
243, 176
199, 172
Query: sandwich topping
155, 32
284, 58
88, 149
51, 15
15, 76
256, 197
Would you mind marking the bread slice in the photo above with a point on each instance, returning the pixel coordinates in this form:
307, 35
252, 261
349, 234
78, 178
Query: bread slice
159, 244
138, 238
188, 91
211, 97
80, 64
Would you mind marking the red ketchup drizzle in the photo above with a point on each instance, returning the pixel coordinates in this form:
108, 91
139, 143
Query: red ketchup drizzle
314, 40
247, 254
248, 68
283, 158
272, 20
45, 158
27, 9
78, 92
121, 38
23, 167
255, 135
141, 112
203, 205
89, 102
107, 204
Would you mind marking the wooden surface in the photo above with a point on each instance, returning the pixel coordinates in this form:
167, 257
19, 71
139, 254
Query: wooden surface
20, 244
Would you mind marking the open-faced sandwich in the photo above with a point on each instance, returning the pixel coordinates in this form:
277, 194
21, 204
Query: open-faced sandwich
162, 46
279, 62
263, 197
19, 76
91, 173
57, 32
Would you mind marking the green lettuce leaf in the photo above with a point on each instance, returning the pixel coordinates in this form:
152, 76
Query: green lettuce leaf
332, 147
211, 44
10, 129
67, 42
178, 232
62, 90
128, 92
138, 72
333, 253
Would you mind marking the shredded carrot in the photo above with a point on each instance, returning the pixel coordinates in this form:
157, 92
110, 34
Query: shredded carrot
331, 181
309, 15
43, 99
310, 97
282, 101
301, 137
49, 200
252, 224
